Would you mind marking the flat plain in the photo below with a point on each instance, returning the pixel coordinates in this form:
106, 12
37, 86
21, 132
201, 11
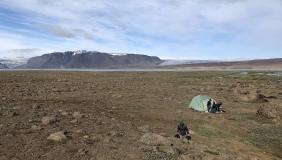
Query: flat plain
105, 115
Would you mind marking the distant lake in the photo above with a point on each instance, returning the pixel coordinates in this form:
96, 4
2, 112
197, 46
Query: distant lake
242, 71
94, 70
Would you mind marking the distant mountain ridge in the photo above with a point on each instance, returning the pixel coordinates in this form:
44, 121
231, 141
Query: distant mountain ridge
13, 62
264, 64
3, 66
90, 59
99, 60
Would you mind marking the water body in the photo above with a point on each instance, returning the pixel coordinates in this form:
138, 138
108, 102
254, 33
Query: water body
93, 70
242, 71
279, 74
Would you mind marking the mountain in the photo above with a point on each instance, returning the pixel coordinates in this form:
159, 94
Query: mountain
89, 59
171, 62
13, 62
263, 64
3, 66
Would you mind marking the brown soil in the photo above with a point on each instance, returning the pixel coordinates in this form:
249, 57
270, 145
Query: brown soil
248, 93
103, 116
270, 111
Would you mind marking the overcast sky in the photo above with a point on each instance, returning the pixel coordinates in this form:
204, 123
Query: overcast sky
172, 29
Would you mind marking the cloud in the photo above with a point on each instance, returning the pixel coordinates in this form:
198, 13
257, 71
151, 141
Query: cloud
57, 30
167, 28
21, 52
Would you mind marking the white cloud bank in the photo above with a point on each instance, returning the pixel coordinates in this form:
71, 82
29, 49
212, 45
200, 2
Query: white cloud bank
166, 28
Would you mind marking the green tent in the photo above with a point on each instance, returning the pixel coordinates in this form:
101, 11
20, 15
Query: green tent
199, 103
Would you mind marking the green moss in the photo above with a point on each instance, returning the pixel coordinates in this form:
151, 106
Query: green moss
213, 132
268, 137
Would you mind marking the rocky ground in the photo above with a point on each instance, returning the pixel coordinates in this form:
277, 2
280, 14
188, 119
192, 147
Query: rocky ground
133, 115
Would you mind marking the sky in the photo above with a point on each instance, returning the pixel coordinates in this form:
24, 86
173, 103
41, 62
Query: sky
170, 29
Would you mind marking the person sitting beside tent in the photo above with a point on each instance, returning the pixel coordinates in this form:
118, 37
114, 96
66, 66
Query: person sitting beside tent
203, 103
209, 105
216, 107
183, 131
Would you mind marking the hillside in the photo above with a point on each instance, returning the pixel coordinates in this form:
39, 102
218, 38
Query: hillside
251, 64
86, 59
111, 116
3, 66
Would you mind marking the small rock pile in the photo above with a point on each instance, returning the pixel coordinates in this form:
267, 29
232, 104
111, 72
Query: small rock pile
270, 111
57, 137
161, 144
47, 120
248, 93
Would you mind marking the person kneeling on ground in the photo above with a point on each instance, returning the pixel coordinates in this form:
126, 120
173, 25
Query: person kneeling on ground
183, 131
216, 108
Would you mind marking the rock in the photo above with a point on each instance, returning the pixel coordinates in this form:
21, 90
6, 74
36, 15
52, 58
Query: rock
199, 156
144, 129
35, 106
248, 93
64, 113
96, 138
16, 108
211, 117
107, 140
13, 114
112, 133
77, 115
82, 151
133, 156
166, 149
270, 111
56, 90
74, 121
47, 120
57, 137
212, 152
86, 136
35, 127
191, 132
78, 131
154, 139
62, 80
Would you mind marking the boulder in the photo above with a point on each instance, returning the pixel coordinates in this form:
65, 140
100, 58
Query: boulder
199, 156
77, 115
74, 121
47, 120
35, 106
248, 93
154, 140
270, 111
57, 137
35, 127
13, 114
166, 149
78, 131
64, 113
145, 128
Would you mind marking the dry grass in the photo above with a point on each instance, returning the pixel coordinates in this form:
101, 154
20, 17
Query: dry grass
122, 102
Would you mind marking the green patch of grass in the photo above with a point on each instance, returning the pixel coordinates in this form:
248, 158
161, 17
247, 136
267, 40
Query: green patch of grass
213, 132
244, 117
267, 137
212, 152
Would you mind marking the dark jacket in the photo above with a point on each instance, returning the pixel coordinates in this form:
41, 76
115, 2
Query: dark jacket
182, 129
